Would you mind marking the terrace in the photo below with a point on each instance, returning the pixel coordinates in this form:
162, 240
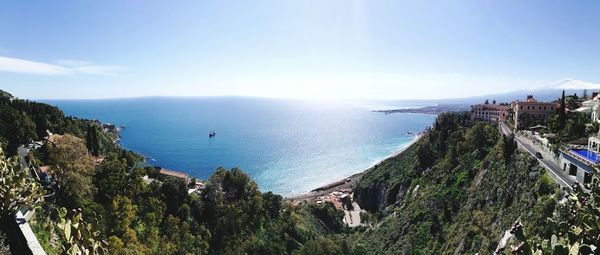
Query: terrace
579, 162
586, 155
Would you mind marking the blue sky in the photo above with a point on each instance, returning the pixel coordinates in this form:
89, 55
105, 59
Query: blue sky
298, 49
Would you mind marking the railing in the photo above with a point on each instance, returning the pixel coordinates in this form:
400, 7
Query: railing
31, 240
583, 160
26, 239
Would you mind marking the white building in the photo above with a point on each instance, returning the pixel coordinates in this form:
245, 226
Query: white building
591, 106
581, 162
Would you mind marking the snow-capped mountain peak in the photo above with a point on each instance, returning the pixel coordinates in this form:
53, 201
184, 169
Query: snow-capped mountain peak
573, 84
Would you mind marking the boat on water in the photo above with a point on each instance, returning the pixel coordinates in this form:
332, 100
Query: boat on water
211, 134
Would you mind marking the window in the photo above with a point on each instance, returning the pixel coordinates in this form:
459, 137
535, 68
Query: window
544, 108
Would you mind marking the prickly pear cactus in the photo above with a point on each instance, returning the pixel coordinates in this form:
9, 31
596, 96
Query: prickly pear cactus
578, 230
78, 236
17, 189
576, 226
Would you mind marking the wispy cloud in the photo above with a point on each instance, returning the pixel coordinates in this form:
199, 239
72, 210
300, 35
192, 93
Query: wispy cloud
85, 67
16, 65
62, 67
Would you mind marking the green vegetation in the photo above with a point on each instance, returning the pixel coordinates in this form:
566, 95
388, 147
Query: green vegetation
91, 140
16, 190
574, 127
126, 214
455, 192
574, 229
23, 121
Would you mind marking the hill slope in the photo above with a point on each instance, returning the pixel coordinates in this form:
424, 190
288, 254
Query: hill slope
454, 192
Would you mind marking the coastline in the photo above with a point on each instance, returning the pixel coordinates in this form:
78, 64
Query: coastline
345, 183
433, 109
350, 181
415, 139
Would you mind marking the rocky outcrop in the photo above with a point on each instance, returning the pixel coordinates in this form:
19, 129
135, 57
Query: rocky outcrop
377, 197
371, 198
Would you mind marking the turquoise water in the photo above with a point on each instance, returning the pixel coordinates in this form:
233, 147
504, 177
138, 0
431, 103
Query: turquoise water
287, 146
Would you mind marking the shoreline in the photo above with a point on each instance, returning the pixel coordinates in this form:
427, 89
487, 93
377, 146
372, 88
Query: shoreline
349, 181
415, 139
344, 183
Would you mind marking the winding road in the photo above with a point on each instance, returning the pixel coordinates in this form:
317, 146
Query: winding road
562, 178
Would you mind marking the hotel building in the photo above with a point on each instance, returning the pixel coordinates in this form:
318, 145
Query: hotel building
533, 109
490, 112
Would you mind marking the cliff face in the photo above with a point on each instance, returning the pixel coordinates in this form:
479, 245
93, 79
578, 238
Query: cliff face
453, 192
387, 183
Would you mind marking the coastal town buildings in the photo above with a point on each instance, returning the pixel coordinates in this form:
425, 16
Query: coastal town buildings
531, 109
490, 112
175, 174
592, 107
579, 162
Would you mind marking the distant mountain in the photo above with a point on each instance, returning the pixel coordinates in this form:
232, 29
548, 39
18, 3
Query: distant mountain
546, 93
573, 84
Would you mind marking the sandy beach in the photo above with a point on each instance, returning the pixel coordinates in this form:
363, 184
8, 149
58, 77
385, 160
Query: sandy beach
348, 182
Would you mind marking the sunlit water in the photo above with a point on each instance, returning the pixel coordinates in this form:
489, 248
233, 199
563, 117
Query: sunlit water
287, 146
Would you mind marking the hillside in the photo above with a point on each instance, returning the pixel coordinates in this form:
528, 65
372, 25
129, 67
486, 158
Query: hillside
119, 210
455, 192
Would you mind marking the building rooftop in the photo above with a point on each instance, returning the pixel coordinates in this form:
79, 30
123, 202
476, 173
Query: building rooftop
173, 173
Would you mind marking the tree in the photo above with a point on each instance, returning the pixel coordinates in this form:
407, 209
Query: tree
123, 213
17, 128
75, 169
91, 140
572, 103
325, 246
272, 204
509, 145
111, 178
475, 138
561, 112
575, 127
175, 194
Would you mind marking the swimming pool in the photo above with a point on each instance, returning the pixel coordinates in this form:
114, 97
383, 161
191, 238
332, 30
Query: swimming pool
587, 154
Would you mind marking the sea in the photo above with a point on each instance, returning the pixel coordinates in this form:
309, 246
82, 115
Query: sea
287, 146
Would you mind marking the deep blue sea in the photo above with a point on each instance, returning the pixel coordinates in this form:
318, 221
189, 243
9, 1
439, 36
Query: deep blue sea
287, 146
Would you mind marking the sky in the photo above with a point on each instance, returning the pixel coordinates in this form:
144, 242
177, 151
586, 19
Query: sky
325, 49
